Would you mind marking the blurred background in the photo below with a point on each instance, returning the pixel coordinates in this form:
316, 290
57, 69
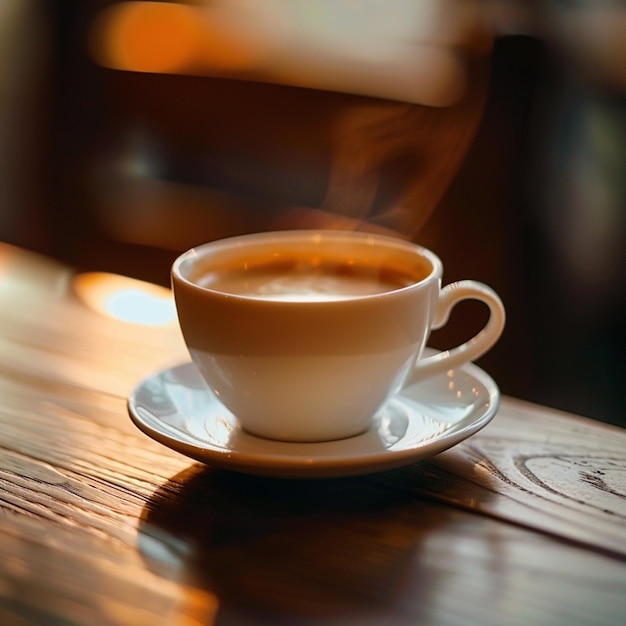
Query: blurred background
492, 131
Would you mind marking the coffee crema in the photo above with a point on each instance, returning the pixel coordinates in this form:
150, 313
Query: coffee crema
308, 280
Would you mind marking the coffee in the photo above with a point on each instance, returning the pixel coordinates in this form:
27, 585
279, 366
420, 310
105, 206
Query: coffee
304, 335
311, 279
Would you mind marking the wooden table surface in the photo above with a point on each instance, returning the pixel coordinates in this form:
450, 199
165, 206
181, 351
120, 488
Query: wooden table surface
524, 523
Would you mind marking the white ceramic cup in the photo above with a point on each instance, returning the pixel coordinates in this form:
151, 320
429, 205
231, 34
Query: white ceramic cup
299, 367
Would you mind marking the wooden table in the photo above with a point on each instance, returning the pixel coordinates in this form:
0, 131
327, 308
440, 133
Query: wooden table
524, 523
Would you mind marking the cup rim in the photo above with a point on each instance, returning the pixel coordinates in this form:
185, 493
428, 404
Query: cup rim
308, 234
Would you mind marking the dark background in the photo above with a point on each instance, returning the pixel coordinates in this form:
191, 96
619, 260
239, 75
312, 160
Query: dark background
120, 172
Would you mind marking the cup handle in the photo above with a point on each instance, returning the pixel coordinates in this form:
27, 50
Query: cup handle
449, 297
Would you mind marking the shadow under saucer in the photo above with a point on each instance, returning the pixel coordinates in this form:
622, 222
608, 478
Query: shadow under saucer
267, 550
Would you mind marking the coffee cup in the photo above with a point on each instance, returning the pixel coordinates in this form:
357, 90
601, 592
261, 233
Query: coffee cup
305, 335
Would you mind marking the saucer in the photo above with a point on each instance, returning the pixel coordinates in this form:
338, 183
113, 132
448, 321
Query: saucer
176, 408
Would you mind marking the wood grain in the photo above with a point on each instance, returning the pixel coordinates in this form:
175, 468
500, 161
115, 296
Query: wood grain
523, 523
554, 472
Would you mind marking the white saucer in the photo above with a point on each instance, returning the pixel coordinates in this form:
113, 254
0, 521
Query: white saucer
176, 408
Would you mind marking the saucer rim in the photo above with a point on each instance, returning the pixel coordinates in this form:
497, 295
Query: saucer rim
309, 466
